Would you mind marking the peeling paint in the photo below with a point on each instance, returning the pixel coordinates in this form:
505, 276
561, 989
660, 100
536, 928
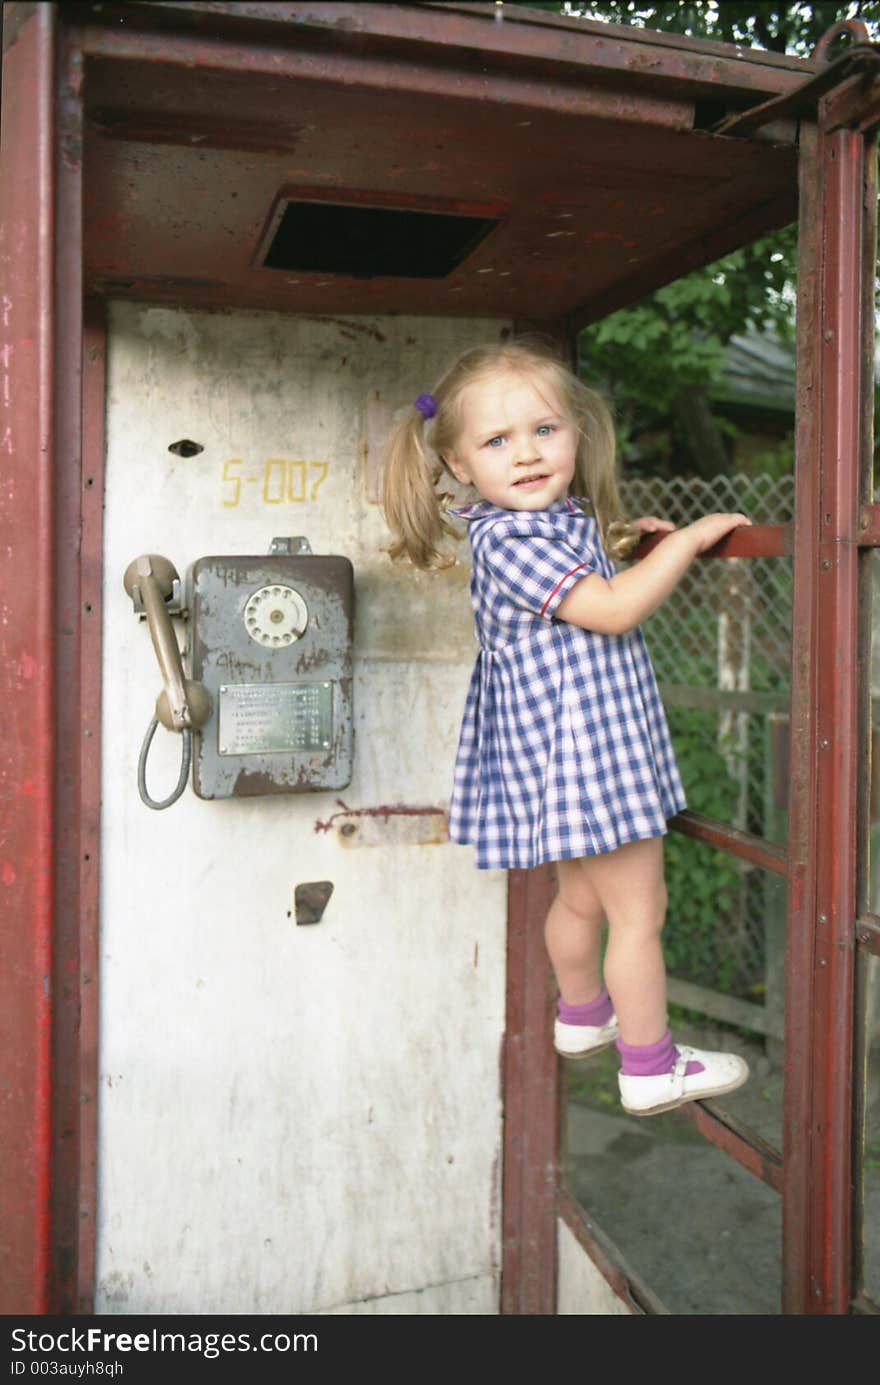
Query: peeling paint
405, 828
319, 1078
352, 327
384, 811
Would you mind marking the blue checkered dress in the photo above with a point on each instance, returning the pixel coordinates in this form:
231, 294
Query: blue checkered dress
564, 749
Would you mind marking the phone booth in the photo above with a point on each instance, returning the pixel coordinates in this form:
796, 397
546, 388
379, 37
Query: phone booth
271, 1043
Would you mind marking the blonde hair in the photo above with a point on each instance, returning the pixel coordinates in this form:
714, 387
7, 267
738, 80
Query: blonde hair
415, 509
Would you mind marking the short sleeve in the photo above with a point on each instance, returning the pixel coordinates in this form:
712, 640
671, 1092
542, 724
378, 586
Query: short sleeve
536, 572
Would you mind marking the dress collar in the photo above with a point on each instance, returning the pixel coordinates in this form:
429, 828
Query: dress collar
481, 508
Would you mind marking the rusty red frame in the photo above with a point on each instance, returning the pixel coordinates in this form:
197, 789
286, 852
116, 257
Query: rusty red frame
52, 430
28, 757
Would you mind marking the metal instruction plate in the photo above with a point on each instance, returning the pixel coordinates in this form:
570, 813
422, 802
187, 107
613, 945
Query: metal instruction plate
261, 717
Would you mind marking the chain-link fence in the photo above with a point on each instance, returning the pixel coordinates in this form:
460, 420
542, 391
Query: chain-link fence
721, 650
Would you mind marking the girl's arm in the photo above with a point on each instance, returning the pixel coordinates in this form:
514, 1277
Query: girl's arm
618, 604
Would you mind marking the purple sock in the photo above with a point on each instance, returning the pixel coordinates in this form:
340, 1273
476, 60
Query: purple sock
596, 1012
652, 1060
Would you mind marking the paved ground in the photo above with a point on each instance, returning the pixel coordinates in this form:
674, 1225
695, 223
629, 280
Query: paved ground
703, 1233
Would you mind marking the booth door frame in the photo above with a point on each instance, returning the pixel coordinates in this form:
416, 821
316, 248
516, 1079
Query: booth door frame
831, 933
52, 439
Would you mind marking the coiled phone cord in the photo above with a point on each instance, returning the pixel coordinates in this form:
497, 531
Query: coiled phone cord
186, 759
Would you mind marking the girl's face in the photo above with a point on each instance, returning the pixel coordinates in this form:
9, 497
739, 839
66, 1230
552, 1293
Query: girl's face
515, 444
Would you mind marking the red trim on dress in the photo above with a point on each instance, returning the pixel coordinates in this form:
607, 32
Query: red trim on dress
559, 584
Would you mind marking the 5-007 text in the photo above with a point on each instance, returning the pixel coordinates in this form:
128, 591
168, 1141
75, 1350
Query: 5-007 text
279, 481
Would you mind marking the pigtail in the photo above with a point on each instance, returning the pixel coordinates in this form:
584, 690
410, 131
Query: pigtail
410, 501
597, 476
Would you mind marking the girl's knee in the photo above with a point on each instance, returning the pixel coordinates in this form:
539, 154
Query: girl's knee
645, 916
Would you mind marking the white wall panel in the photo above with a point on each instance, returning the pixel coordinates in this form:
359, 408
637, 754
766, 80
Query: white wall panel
582, 1288
292, 1119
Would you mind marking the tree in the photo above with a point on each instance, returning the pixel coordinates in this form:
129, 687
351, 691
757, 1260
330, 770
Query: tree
793, 28
660, 359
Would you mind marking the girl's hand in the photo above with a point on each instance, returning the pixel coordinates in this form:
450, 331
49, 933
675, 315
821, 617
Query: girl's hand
620, 603
650, 524
712, 528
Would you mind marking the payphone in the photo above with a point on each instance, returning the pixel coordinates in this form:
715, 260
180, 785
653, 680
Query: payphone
267, 707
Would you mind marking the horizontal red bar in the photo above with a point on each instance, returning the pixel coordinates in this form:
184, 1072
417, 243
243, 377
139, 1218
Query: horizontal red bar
756, 541
625, 1282
737, 1140
855, 105
745, 845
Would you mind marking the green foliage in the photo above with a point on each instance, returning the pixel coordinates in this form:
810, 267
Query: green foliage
776, 461
702, 883
648, 356
793, 28
675, 339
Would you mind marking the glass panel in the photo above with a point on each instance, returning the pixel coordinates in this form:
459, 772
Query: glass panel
702, 1232
721, 647
637, 1175
720, 913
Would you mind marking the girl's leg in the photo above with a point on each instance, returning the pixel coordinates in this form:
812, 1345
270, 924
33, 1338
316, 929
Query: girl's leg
630, 887
655, 1076
585, 1021
573, 934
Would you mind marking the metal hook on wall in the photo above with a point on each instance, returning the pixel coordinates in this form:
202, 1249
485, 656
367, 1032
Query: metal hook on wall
856, 27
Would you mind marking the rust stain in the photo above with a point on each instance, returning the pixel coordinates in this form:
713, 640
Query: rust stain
384, 810
348, 325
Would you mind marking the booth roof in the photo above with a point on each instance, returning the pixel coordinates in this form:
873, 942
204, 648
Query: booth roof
424, 159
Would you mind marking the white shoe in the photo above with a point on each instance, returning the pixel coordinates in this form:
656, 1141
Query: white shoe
647, 1096
580, 1040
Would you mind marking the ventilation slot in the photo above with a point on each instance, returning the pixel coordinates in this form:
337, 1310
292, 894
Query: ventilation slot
372, 242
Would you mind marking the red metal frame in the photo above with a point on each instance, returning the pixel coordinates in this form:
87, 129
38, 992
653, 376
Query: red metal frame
27, 442
51, 409
533, 1080
530, 1086
625, 1281
53, 632
756, 850
737, 1140
817, 1223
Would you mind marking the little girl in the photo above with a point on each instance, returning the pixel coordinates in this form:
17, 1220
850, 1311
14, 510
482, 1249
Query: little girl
564, 753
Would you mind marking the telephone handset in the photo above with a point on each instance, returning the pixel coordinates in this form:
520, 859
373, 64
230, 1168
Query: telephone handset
183, 704
268, 706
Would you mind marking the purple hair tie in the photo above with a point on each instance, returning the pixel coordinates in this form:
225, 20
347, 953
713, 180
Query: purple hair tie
426, 405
